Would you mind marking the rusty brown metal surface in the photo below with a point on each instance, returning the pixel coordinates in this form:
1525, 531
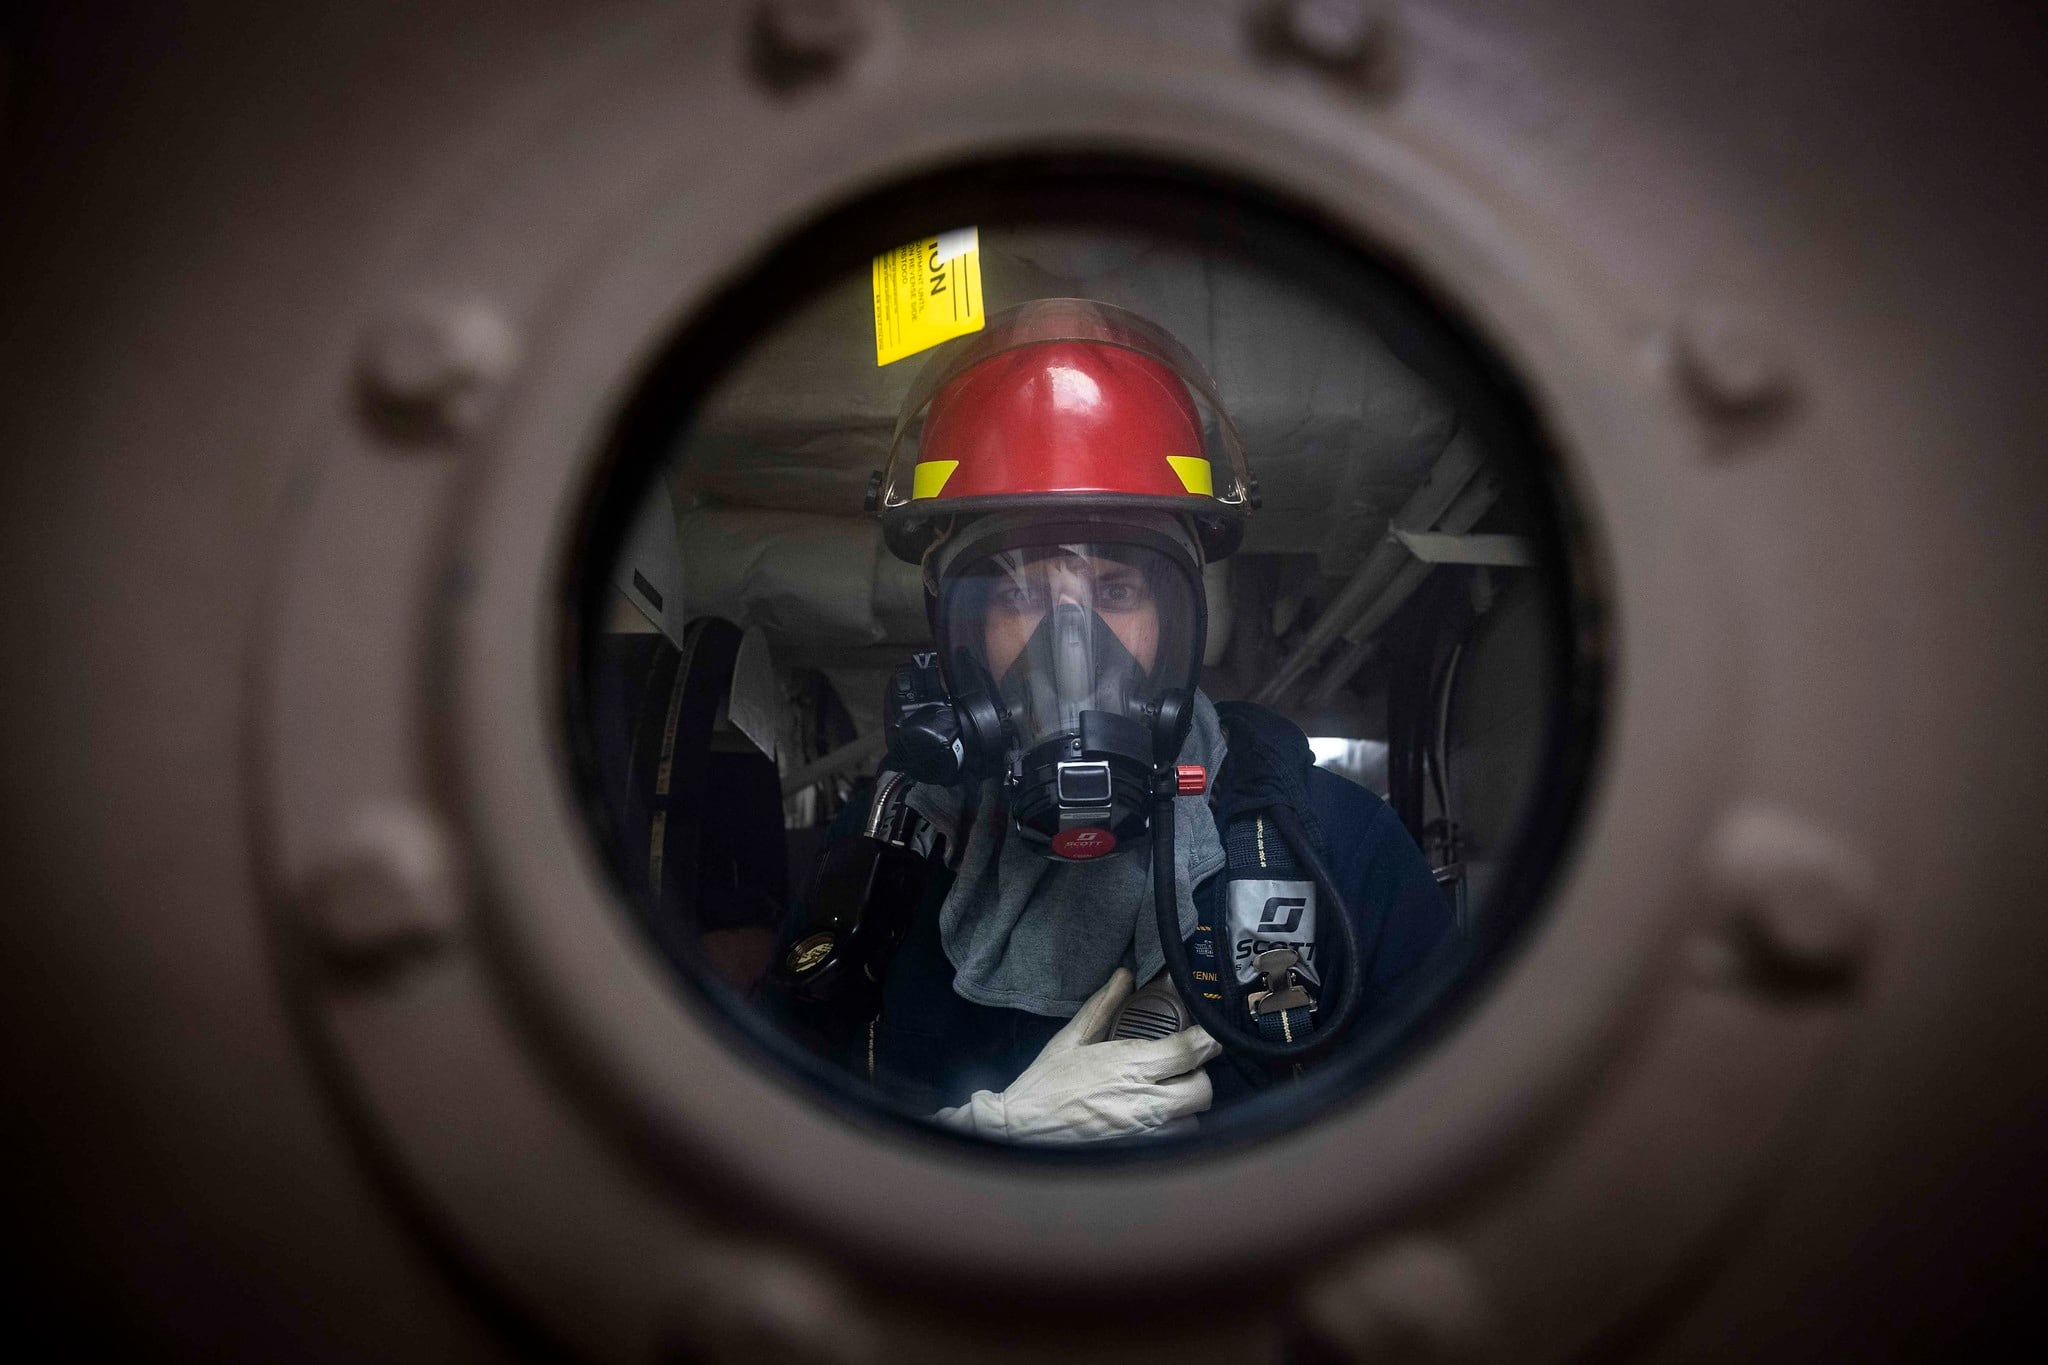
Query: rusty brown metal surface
323, 1039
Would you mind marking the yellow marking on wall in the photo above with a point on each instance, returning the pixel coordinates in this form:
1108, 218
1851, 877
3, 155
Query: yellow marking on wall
927, 292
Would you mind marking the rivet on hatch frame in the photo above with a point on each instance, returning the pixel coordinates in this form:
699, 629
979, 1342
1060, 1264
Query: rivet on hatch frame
797, 42
1348, 39
1796, 906
1419, 1300
389, 893
736, 1305
1728, 371
431, 371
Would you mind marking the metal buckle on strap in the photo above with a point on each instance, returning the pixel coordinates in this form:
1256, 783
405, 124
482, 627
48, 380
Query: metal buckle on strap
1284, 990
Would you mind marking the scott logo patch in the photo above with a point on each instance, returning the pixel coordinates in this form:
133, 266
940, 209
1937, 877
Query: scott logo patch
1083, 844
1271, 914
1282, 914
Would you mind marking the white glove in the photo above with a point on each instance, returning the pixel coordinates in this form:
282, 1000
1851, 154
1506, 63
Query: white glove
1081, 1089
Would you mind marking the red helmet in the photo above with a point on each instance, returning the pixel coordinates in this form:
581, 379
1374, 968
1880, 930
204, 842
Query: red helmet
1062, 405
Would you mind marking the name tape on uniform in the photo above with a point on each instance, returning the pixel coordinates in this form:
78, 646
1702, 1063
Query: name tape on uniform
926, 293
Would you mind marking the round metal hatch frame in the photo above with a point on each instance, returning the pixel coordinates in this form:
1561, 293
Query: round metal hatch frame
596, 1153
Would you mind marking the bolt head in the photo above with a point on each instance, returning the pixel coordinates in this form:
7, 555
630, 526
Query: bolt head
390, 890
1795, 900
1726, 367
1419, 1300
1331, 30
743, 1303
1340, 36
796, 42
432, 369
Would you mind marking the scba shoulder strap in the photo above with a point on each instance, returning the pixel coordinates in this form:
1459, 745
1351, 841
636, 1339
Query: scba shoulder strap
1263, 926
1269, 915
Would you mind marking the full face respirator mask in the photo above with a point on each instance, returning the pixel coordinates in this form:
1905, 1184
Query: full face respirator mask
1066, 666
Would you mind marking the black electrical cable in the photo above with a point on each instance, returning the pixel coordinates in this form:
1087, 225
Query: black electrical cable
1406, 776
1226, 1024
1437, 702
1434, 715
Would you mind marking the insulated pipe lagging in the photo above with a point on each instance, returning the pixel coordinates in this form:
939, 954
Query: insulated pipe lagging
1226, 1022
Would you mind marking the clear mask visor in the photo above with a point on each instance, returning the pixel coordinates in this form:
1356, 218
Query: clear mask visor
1055, 630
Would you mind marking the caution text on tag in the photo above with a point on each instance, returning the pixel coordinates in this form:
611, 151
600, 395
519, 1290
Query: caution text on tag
927, 292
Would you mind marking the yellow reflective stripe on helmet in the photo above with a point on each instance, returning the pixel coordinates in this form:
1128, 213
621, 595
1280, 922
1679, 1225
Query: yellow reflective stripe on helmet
1193, 471
930, 476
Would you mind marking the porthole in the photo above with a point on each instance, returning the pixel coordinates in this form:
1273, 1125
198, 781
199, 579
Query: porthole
923, 560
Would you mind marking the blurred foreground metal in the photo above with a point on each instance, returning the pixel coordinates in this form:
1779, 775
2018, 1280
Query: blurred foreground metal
322, 1038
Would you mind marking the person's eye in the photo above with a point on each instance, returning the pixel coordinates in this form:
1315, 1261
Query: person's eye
1016, 596
1120, 593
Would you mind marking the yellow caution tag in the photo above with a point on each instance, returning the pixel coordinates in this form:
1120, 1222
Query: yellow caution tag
926, 293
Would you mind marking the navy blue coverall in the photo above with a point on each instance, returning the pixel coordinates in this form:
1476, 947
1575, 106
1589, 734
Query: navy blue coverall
932, 1048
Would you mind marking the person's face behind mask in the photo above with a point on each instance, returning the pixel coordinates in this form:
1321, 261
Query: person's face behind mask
1054, 631
1020, 599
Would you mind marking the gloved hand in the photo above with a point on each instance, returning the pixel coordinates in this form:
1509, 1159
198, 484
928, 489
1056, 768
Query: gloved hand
1081, 1088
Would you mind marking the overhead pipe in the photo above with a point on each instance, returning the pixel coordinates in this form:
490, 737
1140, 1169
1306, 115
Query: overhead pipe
1463, 514
1355, 656
1455, 466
